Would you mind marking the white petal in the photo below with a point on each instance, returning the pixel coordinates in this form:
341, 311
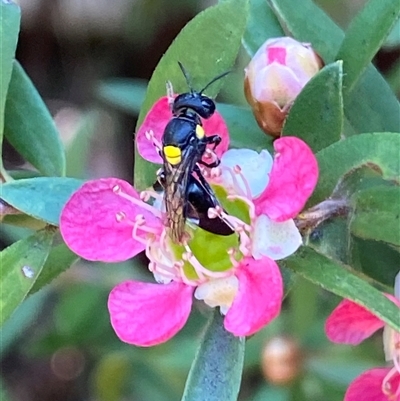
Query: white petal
275, 240
255, 169
161, 279
218, 292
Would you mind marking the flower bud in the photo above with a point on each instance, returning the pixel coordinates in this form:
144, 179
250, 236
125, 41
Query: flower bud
281, 360
275, 76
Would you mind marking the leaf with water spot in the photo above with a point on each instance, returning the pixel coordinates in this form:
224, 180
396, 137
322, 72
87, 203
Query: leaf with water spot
21, 264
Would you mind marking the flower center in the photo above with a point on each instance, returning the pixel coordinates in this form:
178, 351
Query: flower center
203, 257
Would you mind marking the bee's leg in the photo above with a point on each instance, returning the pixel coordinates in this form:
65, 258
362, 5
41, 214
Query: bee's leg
213, 140
210, 165
203, 181
161, 177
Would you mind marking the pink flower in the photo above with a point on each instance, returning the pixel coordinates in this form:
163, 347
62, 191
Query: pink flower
350, 323
108, 220
275, 76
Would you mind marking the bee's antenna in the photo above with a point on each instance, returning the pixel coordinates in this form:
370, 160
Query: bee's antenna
186, 75
215, 79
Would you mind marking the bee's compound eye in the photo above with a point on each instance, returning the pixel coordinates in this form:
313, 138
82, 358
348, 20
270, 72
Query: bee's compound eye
200, 132
172, 154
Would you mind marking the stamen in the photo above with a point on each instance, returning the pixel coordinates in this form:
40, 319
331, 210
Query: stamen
118, 191
387, 387
237, 188
120, 216
201, 271
151, 137
186, 280
249, 202
238, 171
232, 254
146, 195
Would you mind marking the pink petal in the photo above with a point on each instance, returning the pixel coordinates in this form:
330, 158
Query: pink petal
277, 54
156, 120
259, 298
147, 314
350, 323
89, 226
368, 386
293, 178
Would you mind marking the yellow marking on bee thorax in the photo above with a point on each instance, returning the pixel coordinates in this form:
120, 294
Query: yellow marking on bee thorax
172, 154
200, 132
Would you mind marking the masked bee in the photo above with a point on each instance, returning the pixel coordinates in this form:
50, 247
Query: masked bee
187, 193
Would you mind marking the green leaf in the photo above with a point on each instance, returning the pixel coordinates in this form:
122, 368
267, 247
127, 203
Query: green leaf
317, 113
77, 151
20, 266
10, 16
336, 278
25, 315
262, 25
364, 37
378, 150
59, 260
377, 214
42, 198
29, 126
217, 368
243, 129
375, 259
123, 93
393, 40
207, 46
379, 109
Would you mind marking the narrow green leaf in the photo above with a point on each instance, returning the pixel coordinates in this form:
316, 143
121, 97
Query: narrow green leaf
336, 278
77, 151
377, 214
364, 37
60, 259
217, 369
262, 25
207, 46
10, 16
378, 150
26, 314
20, 266
42, 198
123, 93
243, 129
317, 113
29, 126
379, 110
368, 254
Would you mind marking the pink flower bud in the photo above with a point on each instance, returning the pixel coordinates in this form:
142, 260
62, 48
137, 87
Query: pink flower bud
275, 76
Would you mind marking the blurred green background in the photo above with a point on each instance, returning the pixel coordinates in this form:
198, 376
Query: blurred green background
90, 61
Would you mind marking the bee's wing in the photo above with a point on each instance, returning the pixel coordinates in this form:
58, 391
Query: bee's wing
176, 182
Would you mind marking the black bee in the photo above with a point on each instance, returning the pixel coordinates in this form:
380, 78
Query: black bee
184, 143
